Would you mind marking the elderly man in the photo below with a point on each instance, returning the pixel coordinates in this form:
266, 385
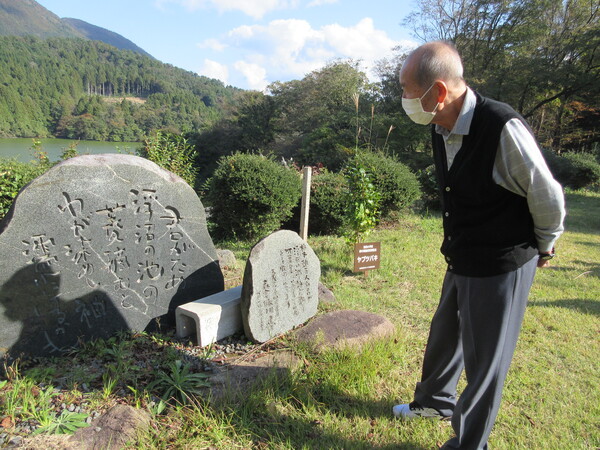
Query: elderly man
502, 213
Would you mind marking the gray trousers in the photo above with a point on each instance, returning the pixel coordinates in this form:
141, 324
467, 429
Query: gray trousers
475, 327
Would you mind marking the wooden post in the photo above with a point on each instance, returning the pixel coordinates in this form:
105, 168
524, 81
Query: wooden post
306, 174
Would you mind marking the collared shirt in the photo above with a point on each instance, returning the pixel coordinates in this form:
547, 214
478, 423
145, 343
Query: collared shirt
520, 168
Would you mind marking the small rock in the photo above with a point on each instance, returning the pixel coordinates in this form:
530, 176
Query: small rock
226, 258
325, 295
344, 329
117, 426
15, 441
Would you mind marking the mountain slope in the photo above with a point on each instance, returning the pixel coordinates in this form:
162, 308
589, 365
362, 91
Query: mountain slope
29, 18
96, 33
87, 89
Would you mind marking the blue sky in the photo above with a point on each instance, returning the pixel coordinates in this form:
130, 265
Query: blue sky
251, 43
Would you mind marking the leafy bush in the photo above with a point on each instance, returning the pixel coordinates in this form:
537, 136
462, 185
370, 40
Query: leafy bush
363, 203
13, 176
585, 170
429, 187
172, 152
321, 146
328, 203
250, 196
574, 170
397, 185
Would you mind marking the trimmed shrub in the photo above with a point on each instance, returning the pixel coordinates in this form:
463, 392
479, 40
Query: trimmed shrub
584, 170
328, 203
13, 176
250, 196
397, 185
574, 170
429, 187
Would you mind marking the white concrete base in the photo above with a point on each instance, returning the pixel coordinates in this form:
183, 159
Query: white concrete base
211, 318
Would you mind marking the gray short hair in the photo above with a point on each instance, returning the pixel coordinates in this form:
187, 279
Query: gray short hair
438, 60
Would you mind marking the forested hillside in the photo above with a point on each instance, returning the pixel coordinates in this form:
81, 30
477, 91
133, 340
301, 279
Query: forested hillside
29, 18
82, 89
96, 33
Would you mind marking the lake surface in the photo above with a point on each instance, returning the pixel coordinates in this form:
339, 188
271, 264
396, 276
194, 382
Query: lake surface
21, 149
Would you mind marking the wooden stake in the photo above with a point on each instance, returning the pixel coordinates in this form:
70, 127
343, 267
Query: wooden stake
306, 174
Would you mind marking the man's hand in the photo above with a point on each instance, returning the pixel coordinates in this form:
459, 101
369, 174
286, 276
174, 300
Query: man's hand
543, 263
545, 257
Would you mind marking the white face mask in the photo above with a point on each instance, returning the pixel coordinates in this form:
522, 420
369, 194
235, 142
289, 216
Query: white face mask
414, 109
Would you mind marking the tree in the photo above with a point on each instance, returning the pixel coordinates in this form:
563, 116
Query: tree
315, 115
538, 55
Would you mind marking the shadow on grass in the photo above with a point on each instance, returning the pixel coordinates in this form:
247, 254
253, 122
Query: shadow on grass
270, 408
585, 306
276, 407
591, 269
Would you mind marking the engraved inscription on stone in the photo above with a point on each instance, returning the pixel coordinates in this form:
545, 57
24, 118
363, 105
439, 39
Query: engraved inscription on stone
280, 289
97, 244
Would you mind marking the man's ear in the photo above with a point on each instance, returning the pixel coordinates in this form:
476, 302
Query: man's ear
442, 90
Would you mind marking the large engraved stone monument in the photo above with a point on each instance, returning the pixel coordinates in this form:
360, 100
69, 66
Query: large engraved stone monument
97, 244
280, 289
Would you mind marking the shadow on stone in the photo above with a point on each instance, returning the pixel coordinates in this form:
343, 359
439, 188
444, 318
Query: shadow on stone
38, 325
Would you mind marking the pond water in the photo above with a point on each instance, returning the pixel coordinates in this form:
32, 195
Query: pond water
21, 149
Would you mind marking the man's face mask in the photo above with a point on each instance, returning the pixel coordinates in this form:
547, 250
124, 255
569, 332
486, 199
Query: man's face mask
414, 109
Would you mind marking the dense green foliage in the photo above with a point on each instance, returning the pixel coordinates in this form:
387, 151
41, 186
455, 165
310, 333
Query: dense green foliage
540, 56
171, 152
575, 170
363, 202
89, 90
396, 184
250, 196
328, 203
316, 114
29, 18
13, 176
585, 170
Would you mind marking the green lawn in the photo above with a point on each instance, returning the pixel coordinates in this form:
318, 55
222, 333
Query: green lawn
343, 399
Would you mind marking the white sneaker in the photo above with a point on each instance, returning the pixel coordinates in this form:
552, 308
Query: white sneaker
413, 410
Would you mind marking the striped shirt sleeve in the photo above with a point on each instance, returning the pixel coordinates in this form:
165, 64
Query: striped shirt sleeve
520, 168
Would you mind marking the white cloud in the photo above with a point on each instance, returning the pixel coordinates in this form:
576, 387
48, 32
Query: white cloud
214, 69
255, 74
291, 48
321, 2
212, 44
253, 8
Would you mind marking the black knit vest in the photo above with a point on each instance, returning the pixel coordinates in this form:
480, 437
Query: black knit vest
488, 230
